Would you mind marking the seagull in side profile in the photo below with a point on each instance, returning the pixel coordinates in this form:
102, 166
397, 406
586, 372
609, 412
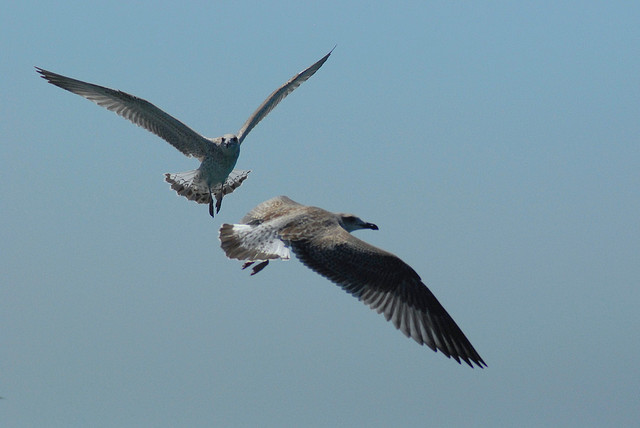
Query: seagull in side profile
215, 176
323, 242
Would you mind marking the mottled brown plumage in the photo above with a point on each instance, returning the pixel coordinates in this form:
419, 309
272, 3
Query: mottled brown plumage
323, 242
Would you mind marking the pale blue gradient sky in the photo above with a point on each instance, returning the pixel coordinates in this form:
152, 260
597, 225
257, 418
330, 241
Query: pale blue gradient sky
496, 145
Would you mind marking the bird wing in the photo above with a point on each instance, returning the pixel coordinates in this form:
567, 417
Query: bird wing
270, 209
277, 96
386, 284
136, 110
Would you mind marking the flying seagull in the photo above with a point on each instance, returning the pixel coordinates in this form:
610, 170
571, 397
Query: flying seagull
323, 242
215, 176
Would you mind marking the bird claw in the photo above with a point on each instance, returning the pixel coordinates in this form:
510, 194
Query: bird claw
257, 268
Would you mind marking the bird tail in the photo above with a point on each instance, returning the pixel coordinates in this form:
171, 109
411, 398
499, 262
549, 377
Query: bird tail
234, 180
247, 242
190, 185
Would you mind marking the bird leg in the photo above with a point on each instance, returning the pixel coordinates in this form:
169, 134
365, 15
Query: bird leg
211, 207
218, 202
257, 268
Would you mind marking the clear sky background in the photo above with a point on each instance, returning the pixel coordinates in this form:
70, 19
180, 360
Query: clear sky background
496, 144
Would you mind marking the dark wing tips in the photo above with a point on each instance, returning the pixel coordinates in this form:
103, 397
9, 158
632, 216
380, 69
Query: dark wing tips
47, 75
73, 85
58, 79
315, 67
399, 295
422, 317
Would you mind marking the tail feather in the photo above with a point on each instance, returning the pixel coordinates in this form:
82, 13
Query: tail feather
192, 186
234, 180
245, 242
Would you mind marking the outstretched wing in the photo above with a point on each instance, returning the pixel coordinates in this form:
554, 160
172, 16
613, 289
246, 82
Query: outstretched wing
277, 96
137, 110
388, 285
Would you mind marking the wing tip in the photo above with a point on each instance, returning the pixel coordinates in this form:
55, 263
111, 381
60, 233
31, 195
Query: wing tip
43, 73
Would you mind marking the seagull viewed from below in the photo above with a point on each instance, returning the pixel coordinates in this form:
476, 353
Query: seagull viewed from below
323, 242
215, 176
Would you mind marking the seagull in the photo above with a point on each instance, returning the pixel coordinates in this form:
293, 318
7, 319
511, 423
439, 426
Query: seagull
322, 240
215, 176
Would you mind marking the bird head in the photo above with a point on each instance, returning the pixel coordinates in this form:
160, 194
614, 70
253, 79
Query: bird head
351, 222
229, 141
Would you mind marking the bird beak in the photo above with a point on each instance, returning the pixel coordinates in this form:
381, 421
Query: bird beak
371, 226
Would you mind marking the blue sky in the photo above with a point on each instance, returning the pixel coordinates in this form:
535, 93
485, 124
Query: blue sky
495, 144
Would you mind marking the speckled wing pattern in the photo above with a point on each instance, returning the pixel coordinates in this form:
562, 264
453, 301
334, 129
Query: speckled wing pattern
234, 180
278, 95
190, 185
138, 111
270, 209
386, 284
251, 242
258, 235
